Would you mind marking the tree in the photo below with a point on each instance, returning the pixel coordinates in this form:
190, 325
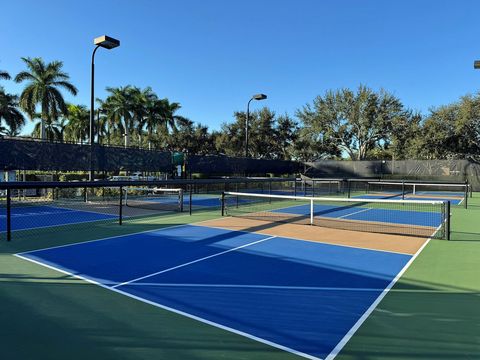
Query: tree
119, 105
270, 137
44, 82
405, 136
191, 138
9, 114
355, 121
169, 119
77, 128
286, 134
451, 131
4, 75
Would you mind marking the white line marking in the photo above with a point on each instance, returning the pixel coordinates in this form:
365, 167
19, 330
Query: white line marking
248, 286
372, 307
312, 241
356, 212
300, 288
205, 321
116, 236
59, 225
193, 262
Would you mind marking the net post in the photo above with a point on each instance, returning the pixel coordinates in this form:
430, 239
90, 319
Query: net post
295, 186
9, 214
190, 195
447, 220
465, 195
349, 188
120, 206
313, 187
223, 203
311, 211
403, 190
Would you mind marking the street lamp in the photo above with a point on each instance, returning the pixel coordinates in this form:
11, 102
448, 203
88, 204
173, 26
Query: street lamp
254, 97
105, 42
476, 64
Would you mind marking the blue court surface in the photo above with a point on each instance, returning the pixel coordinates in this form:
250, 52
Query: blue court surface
300, 296
423, 197
40, 216
212, 200
406, 217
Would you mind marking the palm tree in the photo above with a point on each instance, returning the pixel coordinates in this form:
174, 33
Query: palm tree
155, 110
119, 104
52, 130
77, 128
169, 119
43, 88
4, 75
139, 100
10, 114
106, 122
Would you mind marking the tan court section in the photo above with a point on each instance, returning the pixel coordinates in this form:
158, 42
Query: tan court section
394, 243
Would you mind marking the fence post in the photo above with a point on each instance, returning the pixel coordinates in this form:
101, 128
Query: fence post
223, 203
190, 199
120, 207
9, 215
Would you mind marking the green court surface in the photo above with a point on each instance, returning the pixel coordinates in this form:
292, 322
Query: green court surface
431, 312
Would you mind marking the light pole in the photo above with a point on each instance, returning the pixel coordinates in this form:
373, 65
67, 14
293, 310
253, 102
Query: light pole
105, 42
254, 97
476, 64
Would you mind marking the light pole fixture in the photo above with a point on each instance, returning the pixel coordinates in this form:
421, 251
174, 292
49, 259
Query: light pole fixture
254, 97
476, 64
105, 42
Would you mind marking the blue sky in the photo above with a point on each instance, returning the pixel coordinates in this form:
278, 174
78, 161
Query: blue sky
212, 55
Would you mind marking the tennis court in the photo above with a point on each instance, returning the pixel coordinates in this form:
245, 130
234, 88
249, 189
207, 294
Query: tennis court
284, 276
300, 296
455, 193
38, 216
408, 217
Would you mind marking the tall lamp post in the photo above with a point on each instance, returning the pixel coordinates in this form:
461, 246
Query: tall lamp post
105, 42
254, 97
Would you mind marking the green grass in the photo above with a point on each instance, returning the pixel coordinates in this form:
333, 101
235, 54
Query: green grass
432, 312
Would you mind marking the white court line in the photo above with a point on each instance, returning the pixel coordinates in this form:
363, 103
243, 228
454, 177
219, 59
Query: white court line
116, 236
58, 225
307, 240
164, 307
299, 288
193, 262
248, 286
356, 212
374, 305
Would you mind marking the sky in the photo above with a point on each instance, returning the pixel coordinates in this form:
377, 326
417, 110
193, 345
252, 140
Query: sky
211, 56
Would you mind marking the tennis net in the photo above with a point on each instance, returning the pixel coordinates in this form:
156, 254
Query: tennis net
154, 198
401, 217
388, 189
